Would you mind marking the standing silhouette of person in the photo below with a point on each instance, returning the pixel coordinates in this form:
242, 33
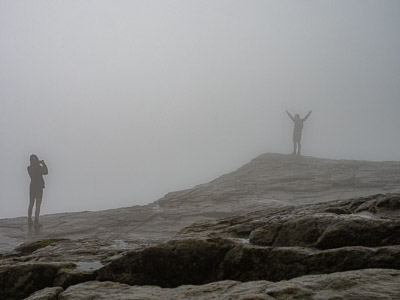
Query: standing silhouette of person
298, 128
36, 171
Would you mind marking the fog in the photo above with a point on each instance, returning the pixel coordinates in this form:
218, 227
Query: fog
129, 100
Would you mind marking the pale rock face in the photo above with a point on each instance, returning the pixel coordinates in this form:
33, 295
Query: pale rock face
369, 284
46, 294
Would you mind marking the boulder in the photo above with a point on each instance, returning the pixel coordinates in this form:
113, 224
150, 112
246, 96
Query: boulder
46, 294
199, 261
19, 281
191, 261
368, 284
371, 221
67, 277
248, 262
326, 231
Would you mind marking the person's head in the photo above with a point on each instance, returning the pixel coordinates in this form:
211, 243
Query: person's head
34, 159
297, 116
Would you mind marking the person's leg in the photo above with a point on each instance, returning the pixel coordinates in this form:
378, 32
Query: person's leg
39, 197
31, 203
37, 210
294, 147
298, 148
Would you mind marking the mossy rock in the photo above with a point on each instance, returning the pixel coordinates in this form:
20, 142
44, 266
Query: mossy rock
67, 266
28, 248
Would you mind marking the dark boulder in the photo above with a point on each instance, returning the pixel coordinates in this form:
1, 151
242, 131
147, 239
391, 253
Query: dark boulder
247, 262
327, 231
170, 264
19, 281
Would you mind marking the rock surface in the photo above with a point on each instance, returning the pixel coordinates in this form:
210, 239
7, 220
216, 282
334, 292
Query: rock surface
277, 218
275, 245
192, 261
237, 248
370, 284
196, 261
46, 294
365, 221
19, 281
270, 180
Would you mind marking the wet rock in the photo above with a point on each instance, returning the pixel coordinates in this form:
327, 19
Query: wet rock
268, 181
369, 284
85, 255
28, 248
73, 261
201, 261
217, 290
368, 221
24, 253
327, 231
19, 281
248, 262
363, 232
46, 294
70, 276
170, 264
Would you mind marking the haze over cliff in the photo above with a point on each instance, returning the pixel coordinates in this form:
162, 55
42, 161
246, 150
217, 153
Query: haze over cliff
128, 100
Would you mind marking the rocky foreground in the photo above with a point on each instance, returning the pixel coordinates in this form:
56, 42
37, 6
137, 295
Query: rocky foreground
313, 248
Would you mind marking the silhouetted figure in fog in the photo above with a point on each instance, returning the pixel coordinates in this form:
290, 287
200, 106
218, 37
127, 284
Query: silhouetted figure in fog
298, 128
36, 171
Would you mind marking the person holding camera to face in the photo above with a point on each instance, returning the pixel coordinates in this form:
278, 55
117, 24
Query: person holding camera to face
36, 170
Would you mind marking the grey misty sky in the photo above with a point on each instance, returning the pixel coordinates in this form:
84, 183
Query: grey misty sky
128, 100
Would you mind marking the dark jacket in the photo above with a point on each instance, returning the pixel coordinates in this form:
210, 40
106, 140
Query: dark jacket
36, 173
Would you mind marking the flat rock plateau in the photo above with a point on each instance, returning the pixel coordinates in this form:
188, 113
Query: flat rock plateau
279, 227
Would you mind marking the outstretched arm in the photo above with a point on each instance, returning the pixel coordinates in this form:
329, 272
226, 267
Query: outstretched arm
306, 117
290, 116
